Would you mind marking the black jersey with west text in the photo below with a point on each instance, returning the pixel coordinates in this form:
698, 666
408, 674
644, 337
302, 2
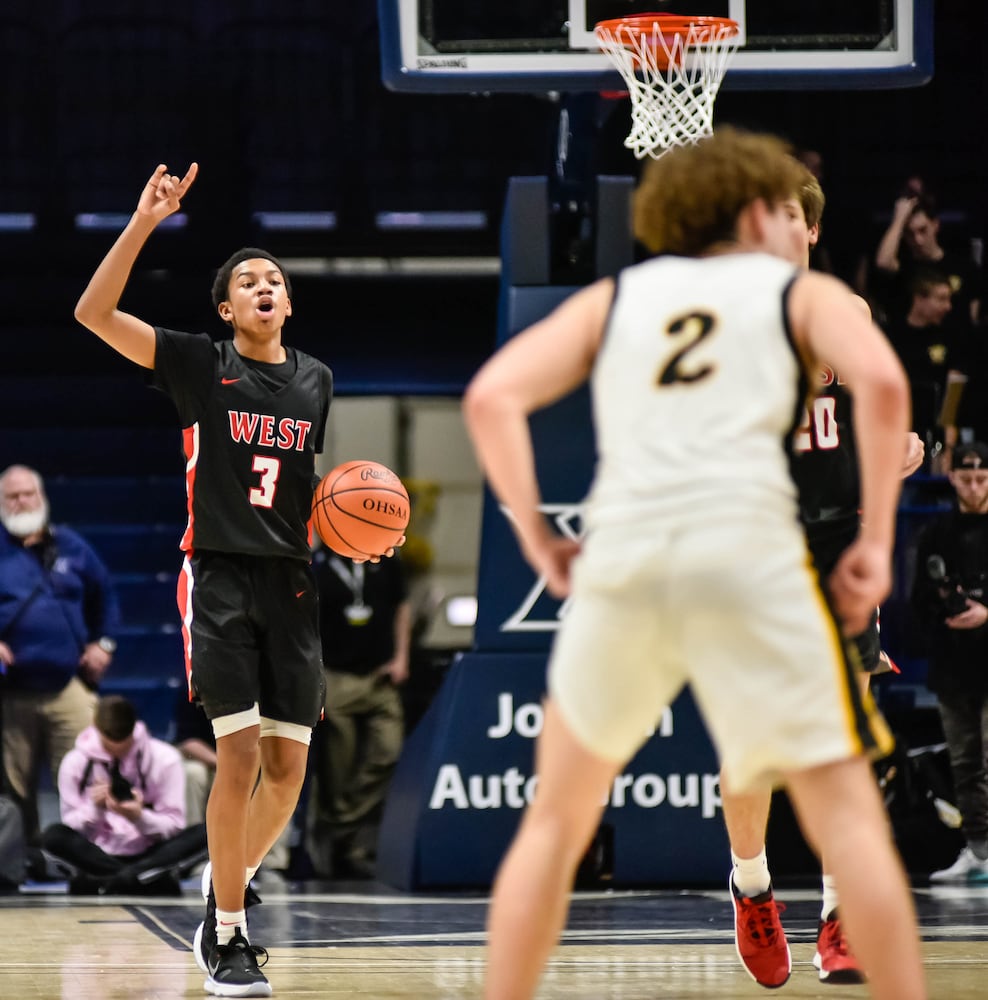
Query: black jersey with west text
250, 448
825, 464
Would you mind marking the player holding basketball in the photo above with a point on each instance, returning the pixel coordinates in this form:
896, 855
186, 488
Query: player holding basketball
826, 474
254, 413
694, 566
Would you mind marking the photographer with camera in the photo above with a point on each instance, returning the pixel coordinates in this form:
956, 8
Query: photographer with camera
951, 604
122, 799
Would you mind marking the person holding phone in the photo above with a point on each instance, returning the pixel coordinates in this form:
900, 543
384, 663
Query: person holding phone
122, 799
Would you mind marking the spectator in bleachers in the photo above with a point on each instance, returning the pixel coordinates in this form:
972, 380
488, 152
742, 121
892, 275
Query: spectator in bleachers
867, 279
58, 616
912, 243
930, 352
122, 798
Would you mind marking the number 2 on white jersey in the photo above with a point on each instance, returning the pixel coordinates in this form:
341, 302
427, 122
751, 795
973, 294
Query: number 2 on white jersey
262, 495
819, 429
687, 332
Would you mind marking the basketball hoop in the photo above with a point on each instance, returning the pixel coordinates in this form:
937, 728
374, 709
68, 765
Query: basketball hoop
673, 67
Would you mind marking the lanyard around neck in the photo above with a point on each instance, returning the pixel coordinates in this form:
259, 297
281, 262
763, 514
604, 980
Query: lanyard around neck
352, 576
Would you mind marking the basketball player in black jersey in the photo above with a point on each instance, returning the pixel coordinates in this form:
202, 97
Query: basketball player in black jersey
253, 414
825, 469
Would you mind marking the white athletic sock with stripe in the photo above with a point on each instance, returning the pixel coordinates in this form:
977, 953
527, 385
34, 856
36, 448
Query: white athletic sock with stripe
751, 875
227, 922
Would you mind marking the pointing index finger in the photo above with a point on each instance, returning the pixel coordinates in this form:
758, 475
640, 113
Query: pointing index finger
190, 176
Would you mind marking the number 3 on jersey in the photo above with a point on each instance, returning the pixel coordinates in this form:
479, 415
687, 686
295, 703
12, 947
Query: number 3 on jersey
819, 429
262, 495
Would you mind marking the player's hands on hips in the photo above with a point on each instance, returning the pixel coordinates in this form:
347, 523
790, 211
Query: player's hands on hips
551, 557
860, 581
915, 453
162, 195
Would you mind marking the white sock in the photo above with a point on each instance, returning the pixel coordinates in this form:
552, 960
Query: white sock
227, 921
830, 897
751, 875
251, 872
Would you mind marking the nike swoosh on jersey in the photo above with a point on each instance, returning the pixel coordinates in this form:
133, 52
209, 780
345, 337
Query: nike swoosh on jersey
228, 381
300, 593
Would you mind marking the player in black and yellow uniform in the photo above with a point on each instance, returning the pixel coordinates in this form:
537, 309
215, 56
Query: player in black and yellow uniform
253, 413
825, 469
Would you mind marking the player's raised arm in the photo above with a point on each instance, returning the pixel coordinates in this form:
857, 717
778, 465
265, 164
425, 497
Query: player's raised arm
97, 308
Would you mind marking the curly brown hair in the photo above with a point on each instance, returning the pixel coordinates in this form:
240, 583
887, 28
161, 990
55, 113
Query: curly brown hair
690, 198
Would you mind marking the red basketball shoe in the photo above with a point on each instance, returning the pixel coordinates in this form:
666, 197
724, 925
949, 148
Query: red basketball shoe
833, 957
759, 938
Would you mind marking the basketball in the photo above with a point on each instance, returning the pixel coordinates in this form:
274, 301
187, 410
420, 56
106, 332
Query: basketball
360, 509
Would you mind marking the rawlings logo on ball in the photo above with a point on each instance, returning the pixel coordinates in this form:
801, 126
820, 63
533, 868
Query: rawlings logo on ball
369, 472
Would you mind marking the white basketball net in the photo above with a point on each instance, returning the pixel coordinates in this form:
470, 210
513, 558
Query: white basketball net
673, 106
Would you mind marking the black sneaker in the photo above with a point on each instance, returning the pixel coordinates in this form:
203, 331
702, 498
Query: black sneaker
234, 971
205, 937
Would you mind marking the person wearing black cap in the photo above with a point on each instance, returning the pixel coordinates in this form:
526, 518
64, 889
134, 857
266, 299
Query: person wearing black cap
949, 599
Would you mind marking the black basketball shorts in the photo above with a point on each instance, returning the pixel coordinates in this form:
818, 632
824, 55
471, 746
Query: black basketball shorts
827, 540
254, 628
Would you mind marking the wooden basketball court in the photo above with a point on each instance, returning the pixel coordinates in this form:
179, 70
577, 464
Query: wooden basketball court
349, 939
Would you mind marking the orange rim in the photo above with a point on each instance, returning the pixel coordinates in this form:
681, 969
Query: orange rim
670, 25
638, 29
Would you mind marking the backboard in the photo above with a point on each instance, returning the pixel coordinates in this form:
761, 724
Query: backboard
469, 46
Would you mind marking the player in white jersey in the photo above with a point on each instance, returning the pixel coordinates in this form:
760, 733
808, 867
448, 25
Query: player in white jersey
694, 568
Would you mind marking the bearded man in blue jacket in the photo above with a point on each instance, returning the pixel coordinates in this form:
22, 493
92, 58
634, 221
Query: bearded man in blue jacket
58, 616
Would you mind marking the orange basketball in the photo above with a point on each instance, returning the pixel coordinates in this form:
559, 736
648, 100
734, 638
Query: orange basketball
360, 509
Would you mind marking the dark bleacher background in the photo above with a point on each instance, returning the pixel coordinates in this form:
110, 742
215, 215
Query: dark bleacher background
282, 106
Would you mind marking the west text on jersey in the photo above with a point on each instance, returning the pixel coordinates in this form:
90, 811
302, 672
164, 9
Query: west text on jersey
264, 431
